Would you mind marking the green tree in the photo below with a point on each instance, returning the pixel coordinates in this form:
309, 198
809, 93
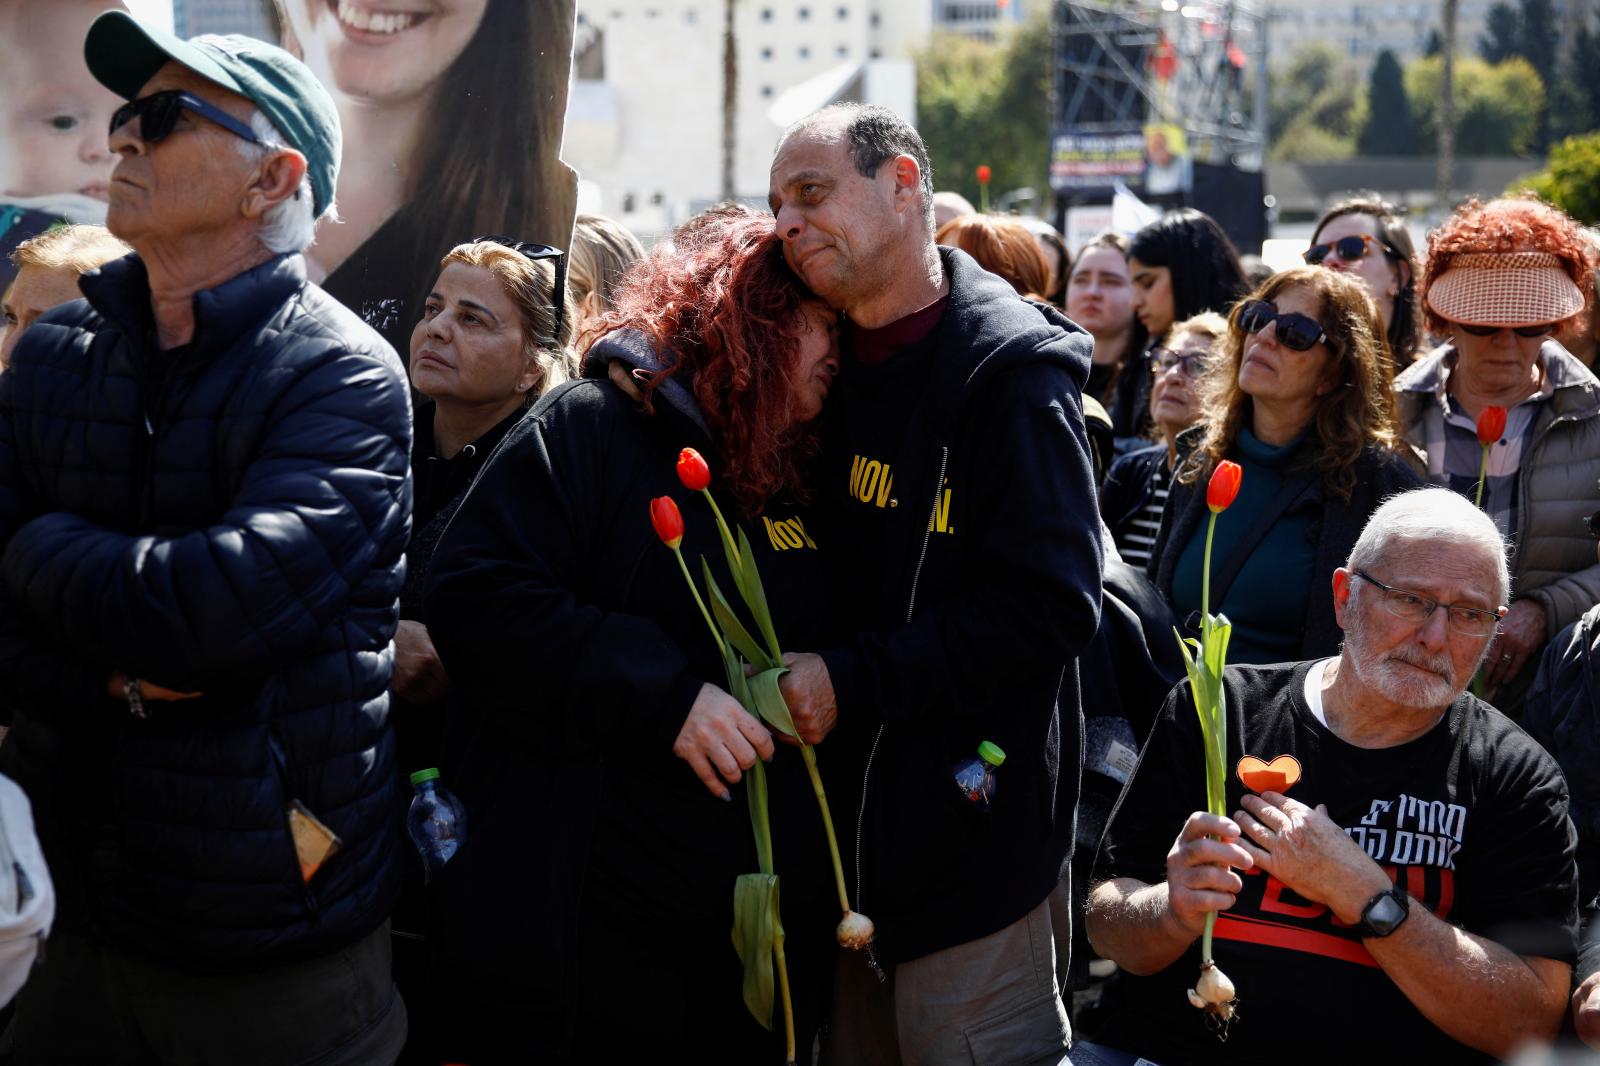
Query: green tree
1502, 36
1537, 44
1571, 178
1387, 128
987, 103
1575, 94
1497, 106
1311, 71
1435, 44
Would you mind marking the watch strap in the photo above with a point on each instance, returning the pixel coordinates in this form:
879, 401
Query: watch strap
135, 697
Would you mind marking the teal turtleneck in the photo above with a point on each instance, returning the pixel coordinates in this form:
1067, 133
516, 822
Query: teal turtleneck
1267, 601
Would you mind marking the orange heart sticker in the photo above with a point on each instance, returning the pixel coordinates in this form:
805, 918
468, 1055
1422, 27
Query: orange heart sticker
1279, 775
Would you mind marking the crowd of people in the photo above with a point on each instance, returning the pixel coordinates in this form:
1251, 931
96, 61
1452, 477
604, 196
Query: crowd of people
265, 551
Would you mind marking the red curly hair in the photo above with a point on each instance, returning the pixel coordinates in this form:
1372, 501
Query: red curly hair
1515, 224
722, 307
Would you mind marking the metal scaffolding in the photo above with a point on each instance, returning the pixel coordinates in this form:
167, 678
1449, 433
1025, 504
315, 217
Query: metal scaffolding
1110, 57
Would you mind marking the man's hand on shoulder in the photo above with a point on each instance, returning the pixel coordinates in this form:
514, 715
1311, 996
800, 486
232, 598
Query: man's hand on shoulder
117, 688
1306, 850
1199, 878
808, 690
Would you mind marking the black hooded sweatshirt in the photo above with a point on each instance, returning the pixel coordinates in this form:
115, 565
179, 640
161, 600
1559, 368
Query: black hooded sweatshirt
575, 652
961, 507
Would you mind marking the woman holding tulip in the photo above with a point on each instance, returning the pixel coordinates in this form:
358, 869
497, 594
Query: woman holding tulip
1301, 399
1508, 417
600, 753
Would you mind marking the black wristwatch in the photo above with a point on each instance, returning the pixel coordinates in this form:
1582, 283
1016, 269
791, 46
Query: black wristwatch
1385, 912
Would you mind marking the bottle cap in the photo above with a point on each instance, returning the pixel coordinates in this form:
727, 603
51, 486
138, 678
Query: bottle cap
991, 753
432, 774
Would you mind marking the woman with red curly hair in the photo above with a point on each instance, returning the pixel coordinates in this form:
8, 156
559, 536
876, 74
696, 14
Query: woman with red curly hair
1501, 277
599, 760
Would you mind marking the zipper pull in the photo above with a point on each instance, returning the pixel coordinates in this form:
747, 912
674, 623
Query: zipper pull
872, 960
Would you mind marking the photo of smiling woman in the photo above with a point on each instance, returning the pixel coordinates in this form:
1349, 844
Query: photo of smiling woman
1302, 398
452, 113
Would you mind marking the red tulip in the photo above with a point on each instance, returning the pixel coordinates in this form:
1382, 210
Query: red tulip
1224, 485
983, 173
1491, 425
693, 471
668, 522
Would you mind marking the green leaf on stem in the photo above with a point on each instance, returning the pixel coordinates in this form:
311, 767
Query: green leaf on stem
769, 701
755, 790
755, 597
733, 630
755, 929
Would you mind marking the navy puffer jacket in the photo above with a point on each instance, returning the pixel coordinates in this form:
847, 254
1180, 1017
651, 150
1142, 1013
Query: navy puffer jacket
229, 519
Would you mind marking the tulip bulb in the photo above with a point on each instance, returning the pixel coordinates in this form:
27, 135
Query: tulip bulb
855, 931
1214, 992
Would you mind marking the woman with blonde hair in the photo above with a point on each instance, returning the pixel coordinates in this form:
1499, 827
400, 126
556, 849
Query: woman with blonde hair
1302, 398
1135, 491
602, 251
492, 337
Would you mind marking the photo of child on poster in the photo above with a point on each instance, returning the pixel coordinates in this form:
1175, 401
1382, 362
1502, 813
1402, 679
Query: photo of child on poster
451, 110
55, 159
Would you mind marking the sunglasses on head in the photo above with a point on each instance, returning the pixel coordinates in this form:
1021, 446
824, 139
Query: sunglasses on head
537, 252
1521, 331
1349, 249
1296, 331
158, 115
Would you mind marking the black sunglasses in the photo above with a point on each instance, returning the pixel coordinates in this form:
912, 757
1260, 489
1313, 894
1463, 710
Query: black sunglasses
537, 252
1522, 331
1349, 249
1295, 330
158, 114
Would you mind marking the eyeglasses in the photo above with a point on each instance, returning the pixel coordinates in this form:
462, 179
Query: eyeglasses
1193, 361
537, 252
1530, 332
158, 115
1349, 249
1417, 608
1295, 330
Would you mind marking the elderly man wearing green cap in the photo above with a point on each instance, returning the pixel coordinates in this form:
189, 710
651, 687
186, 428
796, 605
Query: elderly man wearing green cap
204, 502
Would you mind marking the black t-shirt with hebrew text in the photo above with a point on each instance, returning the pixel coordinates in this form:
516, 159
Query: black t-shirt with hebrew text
1470, 818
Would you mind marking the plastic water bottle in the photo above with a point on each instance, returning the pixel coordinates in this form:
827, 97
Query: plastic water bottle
975, 776
437, 822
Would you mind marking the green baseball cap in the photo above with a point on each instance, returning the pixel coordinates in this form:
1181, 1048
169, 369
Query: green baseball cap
124, 53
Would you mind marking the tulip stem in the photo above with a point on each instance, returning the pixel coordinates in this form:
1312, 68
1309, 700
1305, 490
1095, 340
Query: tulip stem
716, 634
1483, 475
783, 986
810, 756
1205, 578
722, 523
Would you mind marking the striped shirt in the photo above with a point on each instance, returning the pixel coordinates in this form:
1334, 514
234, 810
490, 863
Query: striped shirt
1450, 437
1139, 537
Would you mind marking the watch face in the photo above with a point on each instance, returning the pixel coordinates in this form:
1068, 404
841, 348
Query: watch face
1384, 915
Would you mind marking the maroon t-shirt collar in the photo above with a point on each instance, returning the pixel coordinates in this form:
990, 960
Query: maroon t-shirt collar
872, 346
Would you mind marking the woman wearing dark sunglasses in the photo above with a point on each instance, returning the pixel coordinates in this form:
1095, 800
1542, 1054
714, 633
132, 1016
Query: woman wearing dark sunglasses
1501, 276
594, 746
1302, 399
1366, 237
